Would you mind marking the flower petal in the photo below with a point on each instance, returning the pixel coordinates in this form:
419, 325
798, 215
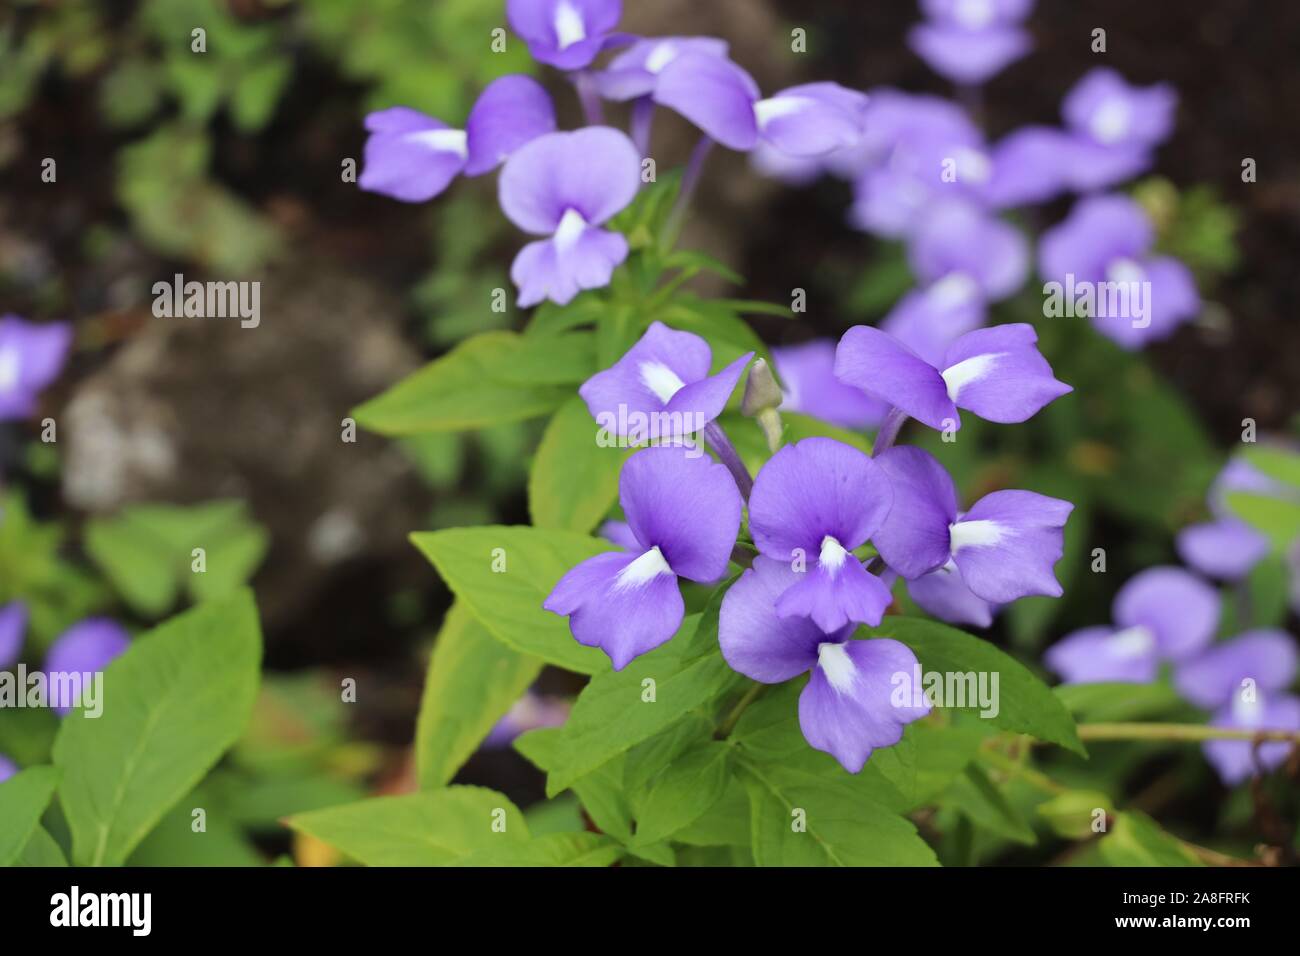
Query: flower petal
960, 237
635, 71
1180, 609
1099, 654
884, 368
914, 538
595, 172
1225, 549
999, 374
848, 708
1008, 543
944, 594
1029, 166
565, 34
410, 156
85, 648
546, 270
13, 625
836, 596
703, 401
714, 94
511, 111
808, 373
968, 57
1211, 679
755, 641
813, 489
1098, 231
1235, 760
615, 602
929, 320
813, 119
684, 503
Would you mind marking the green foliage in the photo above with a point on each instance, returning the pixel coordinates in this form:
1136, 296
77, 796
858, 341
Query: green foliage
573, 483
175, 702
23, 798
147, 552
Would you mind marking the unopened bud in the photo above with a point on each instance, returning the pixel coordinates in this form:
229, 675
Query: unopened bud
761, 391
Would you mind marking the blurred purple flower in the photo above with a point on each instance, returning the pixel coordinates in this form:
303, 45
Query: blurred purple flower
1116, 126
566, 186
85, 648
1005, 546
661, 387
943, 593
684, 512
1162, 614
31, 357
929, 320
566, 34
7, 768
968, 41
812, 504
634, 72
997, 373
413, 157
1105, 244
960, 239
13, 623
530, 712
808, 373
1225, 549
847, 708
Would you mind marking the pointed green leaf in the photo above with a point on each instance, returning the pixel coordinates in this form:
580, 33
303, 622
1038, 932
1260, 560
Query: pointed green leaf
23, 798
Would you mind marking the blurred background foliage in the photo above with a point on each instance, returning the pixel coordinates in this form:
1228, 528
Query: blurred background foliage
229, 164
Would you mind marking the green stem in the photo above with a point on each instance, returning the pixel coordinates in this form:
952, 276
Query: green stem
729, 724
1181, 732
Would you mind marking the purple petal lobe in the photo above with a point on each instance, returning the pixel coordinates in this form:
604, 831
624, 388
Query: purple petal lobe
593, 172
965, 56
1225, 549
812, 491
85, 648
31, 357
1098, 231
959, 237
1267, 658
410, 156
853, 703
635, 71
1179, 609
755, 641
1110, 112
1100, 654
808, 373
511, 111
813, 119
685, 504
835, 595
944, 594
559, 268
703, 401
914, 537
999, 374
619, 532
13, 625
929, 320
624, 603
1008, 543
884, 368
714, 94
565, 34
1030, 166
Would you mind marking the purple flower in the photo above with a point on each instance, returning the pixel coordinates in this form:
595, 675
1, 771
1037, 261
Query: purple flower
685, 513
1225, 549
1243, 680
847, 708
7, 768
808, 373
725, 103
813, 503
635, 72
13, 622
530, 712
1163, 613
968, 41
85, 648
1005, 546
31, 357
661, 388
1030, 165
1115, 127
413, 157
565, 186
960, 239
566, 34
1101, 256
997, 373
929, 320
944, 594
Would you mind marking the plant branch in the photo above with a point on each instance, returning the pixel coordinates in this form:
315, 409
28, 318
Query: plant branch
1181, 732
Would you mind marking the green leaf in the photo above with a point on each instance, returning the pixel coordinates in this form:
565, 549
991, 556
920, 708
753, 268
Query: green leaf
41, 850
684, 792
553, 849
503, 574
473, 679
943, 751
807, 825
472, 386
616, 711
1024, 703
173, 704
1136, 840
574, 480
436, 828
974, 795
1278, 463
23, 798
1278, 519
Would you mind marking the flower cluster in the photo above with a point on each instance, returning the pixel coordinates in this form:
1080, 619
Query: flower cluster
811, 508
1167, 616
